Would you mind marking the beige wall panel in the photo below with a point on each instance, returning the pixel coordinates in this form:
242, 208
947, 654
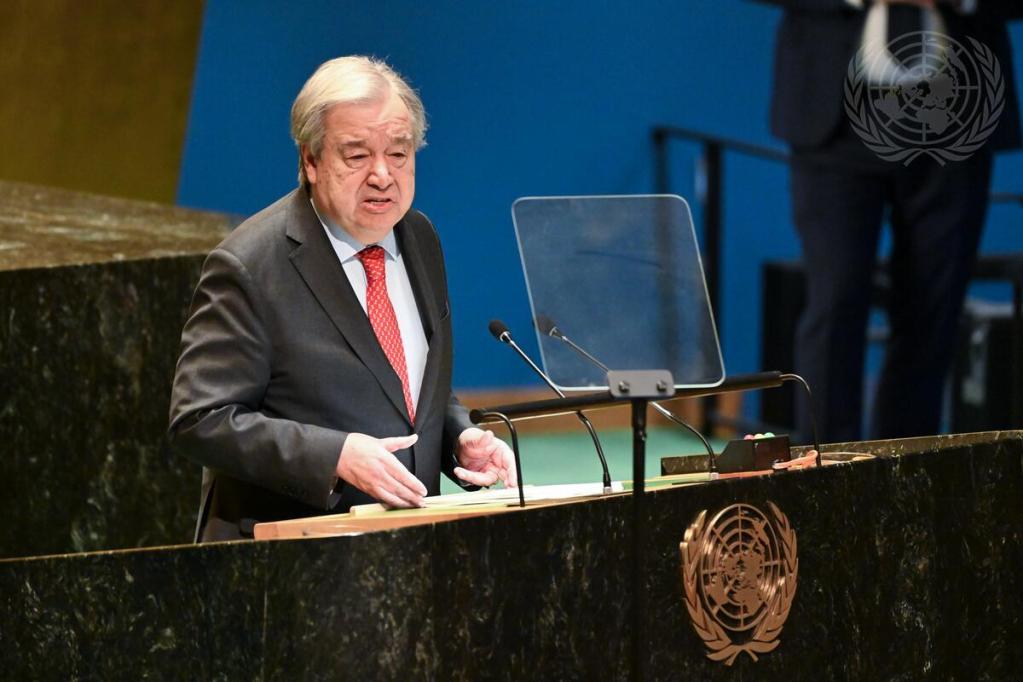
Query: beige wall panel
96, 94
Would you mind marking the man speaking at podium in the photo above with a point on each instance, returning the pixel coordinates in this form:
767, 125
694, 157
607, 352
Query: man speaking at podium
315, 370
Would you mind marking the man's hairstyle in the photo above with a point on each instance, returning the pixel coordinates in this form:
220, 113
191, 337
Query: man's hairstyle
348, 80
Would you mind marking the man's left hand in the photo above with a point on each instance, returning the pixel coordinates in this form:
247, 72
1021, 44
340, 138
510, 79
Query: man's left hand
484, 458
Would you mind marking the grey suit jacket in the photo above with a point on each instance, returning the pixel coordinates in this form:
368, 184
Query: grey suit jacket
279, 364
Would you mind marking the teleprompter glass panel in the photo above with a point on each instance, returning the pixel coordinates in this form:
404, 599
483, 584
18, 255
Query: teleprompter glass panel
617, 278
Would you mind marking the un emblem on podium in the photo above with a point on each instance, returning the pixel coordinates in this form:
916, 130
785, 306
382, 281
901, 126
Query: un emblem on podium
739, 575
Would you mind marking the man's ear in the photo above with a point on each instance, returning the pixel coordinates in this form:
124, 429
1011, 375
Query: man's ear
309, 163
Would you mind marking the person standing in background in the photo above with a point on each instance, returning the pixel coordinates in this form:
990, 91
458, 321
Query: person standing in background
841, 191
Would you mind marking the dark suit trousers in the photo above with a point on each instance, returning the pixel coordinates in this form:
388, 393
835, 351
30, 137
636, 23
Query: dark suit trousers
840, 197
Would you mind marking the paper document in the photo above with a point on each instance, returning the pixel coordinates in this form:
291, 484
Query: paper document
499, 496
533, 493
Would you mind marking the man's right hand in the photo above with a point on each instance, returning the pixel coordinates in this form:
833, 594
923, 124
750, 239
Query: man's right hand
367, 463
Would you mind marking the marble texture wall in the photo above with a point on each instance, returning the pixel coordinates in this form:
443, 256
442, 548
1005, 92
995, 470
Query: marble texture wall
93, 295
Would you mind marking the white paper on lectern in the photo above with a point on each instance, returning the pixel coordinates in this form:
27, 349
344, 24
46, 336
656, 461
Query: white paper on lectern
532, 493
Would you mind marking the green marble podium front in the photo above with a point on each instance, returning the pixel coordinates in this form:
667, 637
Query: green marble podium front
909, 568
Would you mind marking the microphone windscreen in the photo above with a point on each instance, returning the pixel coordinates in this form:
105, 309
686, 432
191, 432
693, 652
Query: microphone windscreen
544, 324
497, 328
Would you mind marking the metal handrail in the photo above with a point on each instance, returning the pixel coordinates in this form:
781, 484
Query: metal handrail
711, 172
711, 165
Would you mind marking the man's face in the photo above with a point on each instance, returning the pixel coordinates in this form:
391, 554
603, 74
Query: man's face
365, 176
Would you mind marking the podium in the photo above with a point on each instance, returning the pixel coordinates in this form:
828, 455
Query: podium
908, 567
94, 291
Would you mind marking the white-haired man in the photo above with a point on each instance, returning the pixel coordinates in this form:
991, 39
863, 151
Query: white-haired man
315, 370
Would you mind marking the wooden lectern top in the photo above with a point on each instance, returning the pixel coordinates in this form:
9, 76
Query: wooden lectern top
441, 508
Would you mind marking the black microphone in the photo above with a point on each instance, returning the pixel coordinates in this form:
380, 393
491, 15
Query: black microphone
547, 327
499, 330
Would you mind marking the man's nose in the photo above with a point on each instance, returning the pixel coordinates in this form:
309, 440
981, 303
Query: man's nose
380, 174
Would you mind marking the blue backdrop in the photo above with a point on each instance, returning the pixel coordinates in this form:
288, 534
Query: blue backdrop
523, 98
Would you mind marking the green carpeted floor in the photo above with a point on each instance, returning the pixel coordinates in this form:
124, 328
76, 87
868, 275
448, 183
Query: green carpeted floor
569, 457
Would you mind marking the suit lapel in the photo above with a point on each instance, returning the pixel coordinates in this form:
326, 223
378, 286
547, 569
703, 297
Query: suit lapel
421, 279
423, 283
318, 265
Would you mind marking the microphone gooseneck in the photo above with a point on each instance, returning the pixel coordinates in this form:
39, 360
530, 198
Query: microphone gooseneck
515, 451
499, 330
813, 420
547, 327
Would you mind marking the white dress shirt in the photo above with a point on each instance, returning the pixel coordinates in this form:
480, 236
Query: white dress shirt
963, 7
880, 67
399, 290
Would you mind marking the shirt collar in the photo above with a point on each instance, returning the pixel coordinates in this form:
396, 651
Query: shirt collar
348, 246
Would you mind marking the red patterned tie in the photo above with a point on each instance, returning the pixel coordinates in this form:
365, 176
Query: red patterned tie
382, 318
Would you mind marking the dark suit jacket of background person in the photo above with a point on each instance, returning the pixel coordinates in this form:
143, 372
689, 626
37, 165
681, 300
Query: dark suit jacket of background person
279, 363
817, 39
